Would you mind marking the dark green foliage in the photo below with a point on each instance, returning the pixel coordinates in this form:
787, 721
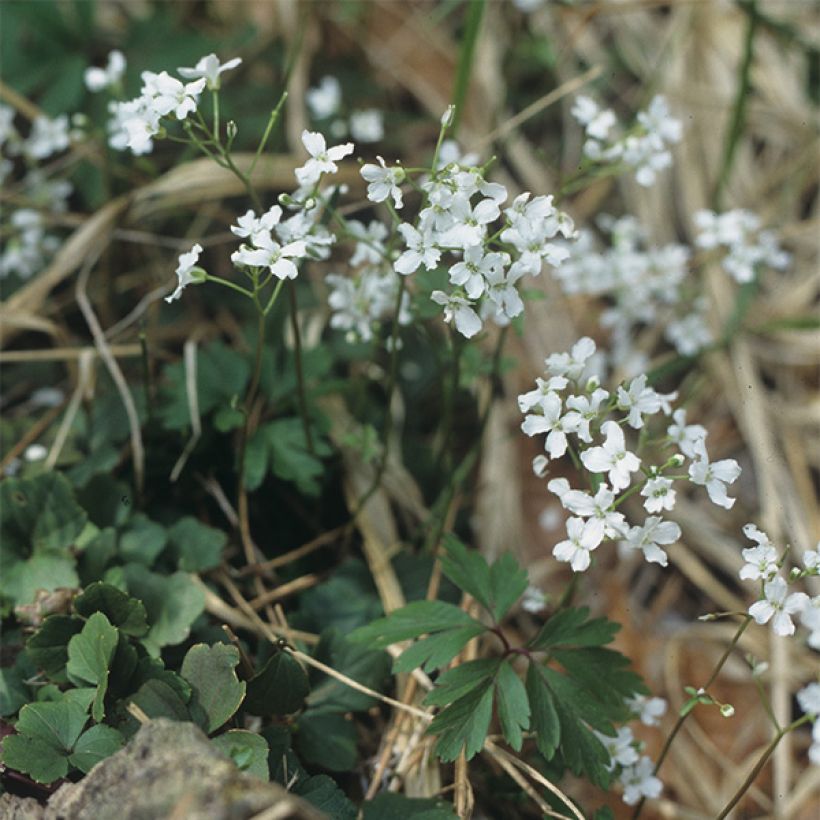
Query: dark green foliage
278, 688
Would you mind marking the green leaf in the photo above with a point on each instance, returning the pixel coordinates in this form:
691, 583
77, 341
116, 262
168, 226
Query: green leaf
513, 705
157, 699
459, 681
256, 460
173, 602
604, 674
21, 579
248, 750
570, 627
143, 541
14, 692
89, 658
436, 651
127, 614
362, 663
290, 457
278, 688
58, 725
321, 791
198, 547
35, 758
544, 718
217, 692
94, 745
389, 806
464, 724
327, 740
48, 646
39, 515
467, 569
507, 584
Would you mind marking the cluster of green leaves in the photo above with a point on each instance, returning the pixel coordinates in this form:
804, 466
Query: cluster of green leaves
572, 684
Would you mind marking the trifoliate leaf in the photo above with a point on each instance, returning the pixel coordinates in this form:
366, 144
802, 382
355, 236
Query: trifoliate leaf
197, 546
278, 688
544, 718
173, 602
34, 757
125, 613
56, 724
94, 745
321, 791
326, 740
217, 692
464, 724
389, 806
89, 658
143, 541
604, 674
248, 750
513, 705
48, 646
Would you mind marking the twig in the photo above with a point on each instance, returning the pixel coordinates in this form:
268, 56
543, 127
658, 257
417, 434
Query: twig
73, 406
192, 394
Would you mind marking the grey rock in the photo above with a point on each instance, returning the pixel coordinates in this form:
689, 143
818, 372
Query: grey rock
19, 808
171, 770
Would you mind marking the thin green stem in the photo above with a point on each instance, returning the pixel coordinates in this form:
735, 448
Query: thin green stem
300, 375
273, 297
215, 97
475, 15
762, 760
272, 120
228, 284
682, 718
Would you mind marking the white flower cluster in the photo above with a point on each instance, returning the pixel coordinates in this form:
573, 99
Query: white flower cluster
635, 771
809, 700
776, 604
100, 79
135, 123
747, 246
647, 285
459, 219
325, 101
571, 404
645, 148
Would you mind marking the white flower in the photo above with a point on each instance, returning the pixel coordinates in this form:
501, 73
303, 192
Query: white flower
621, 748
648, 538
659, 494
549, 421
572, 364
367, 126
249, 225
715, 477
612, 458
810, 618
584, 409
683, 434
324, 100
649, 710
476, 268
533, 600
609, 522
459, 309
583, 538
166, 94
35, 452
384, 182
419, 251
814, 749
640, 781
640, 400
761, 561
526, 401
270, 254
811, 558
97, 79
209, 68
469, 222
778, 607
597, 122
322, 159
809, 699
188, 272
47, 137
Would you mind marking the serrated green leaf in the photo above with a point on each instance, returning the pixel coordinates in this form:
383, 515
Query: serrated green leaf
48, 646
544, 718
248, 750
467, 569
412, 621
507, 584
455, 683
125, 613
198, 547
604, 674
388, 806
513, 705
157, 699
327, 740
172, 602
290, 457
217, 692
89, 658
570, 627
56, 724
278, 688
94, 745
464, 724
143, 541
436, 651
34, 757
322, 792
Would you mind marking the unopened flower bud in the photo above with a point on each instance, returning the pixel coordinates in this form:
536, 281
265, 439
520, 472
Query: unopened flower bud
727, 710
448, 116
231, 130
